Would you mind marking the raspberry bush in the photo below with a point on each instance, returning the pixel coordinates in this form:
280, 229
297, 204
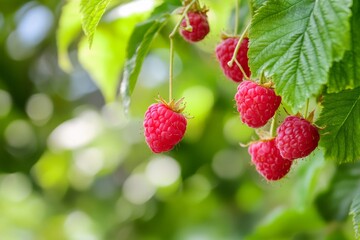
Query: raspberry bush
294, 67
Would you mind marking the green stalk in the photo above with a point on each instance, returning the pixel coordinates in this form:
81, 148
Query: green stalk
171, 37
233, 59
306, 108
273, 126
236, 25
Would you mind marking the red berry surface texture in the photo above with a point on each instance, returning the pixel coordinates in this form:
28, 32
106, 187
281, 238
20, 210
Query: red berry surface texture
296, 138
199, 24
255, 103
164, 128
224, 52
268, 161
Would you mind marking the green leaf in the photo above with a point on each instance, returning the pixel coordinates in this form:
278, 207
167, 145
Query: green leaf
256, 4
341, 119
139, 45
91, 12
284, 223
310, 172
346, 73
68, 30
107, 56
334, 204
295, 42
355, 212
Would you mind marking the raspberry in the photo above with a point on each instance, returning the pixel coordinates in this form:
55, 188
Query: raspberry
164, 127
268, 161
224, 52
296, 138
255, 103
199, 24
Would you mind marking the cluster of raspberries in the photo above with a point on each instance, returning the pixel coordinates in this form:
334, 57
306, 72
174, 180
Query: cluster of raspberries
257, 104
297, 137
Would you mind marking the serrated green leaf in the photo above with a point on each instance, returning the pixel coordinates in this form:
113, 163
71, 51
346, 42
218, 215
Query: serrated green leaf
355, 212
69, 29
346, 73
334, 204
91, 12
139, 45
296, 42
256, 4
340, 118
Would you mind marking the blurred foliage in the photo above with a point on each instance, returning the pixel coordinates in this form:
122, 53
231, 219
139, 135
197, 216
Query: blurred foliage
74, 166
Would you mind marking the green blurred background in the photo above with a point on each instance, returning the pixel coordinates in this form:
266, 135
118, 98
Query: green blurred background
75, 166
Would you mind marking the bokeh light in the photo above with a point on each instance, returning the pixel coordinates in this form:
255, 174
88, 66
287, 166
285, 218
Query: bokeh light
227, 164
39, 108
15, 187
20, 134
76, 132
162, 171
137, 189
34, 23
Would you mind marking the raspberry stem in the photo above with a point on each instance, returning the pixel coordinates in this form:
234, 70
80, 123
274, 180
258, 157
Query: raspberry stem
273, 126
306, 108
236, 25
233, 59
171, 65
171, 37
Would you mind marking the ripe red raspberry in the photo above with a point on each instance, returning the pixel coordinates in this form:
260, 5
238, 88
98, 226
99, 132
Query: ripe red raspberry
199, 24
296, 138
164, 127
268, 161
255, 103
224, 52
